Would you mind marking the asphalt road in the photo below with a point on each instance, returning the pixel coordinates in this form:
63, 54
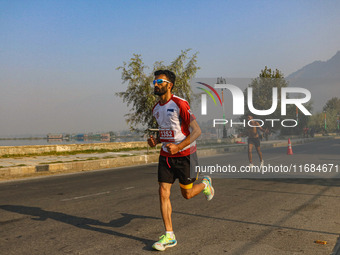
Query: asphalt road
117, 211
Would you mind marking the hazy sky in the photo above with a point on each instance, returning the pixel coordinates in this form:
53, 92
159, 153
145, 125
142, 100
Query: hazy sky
58, 58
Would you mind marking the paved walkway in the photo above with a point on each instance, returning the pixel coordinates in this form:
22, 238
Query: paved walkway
28, 166
43, 160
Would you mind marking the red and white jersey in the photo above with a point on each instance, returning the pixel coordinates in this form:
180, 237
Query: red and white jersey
173, 120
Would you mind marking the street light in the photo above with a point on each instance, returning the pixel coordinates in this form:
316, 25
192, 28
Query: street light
223, 81
325, 121
338, 121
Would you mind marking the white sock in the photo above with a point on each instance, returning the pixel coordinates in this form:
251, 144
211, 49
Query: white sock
171, 233
205, 185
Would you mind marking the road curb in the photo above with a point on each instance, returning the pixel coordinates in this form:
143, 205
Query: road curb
336, 249
89, 165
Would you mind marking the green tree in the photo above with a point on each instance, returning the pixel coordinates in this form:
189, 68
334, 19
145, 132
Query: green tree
317, 121
262, 94
332, 104
139, 94
332, 110
302, 120
263, 99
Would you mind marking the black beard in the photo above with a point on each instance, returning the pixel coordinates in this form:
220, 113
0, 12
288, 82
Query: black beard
159, 92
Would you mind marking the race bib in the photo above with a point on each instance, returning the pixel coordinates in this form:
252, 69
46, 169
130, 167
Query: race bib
167, 135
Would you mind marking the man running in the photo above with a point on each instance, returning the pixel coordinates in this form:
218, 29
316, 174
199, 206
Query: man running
253, 139
178, 130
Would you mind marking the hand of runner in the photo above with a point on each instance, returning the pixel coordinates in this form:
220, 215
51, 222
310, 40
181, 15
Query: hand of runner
152, 141
172, 148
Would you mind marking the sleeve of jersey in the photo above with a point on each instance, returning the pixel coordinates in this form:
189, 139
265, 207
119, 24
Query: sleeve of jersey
153, 108
186, 114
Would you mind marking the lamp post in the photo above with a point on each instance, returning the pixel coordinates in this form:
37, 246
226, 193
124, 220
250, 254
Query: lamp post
325, 121
338, 121
224, 131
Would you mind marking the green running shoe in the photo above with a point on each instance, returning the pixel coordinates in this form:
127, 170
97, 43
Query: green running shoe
164, 242
209, 191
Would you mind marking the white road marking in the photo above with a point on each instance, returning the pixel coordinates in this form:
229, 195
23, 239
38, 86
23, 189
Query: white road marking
128, 188
91, 195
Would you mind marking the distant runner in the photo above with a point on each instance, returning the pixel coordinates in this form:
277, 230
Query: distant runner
253, 139
178, 130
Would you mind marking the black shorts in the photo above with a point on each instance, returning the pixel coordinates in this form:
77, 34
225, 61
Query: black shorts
255, 141
171, 168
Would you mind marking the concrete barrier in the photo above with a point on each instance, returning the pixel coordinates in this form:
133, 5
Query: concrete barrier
102, 163
78, 166
20, 171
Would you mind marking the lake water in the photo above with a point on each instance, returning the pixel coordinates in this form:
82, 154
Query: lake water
22, 142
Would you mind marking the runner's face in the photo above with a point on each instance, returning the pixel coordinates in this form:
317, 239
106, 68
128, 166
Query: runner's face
161, 89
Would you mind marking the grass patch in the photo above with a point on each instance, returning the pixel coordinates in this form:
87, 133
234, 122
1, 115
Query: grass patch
21, 165
53, 162
153, 152
93, 158
107, 157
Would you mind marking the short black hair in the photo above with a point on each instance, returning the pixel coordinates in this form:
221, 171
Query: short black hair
170, 75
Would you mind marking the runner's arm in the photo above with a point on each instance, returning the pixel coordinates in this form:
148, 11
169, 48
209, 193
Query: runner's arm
194, 134
258, 125
152, 141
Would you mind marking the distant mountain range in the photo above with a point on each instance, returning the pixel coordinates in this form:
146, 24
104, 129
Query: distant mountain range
319, 69
321, 78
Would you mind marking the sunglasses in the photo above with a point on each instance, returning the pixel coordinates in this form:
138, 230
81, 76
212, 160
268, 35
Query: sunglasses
160, 81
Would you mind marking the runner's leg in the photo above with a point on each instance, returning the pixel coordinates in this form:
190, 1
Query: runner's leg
166, 209
258, 149
194, 191
250, 156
